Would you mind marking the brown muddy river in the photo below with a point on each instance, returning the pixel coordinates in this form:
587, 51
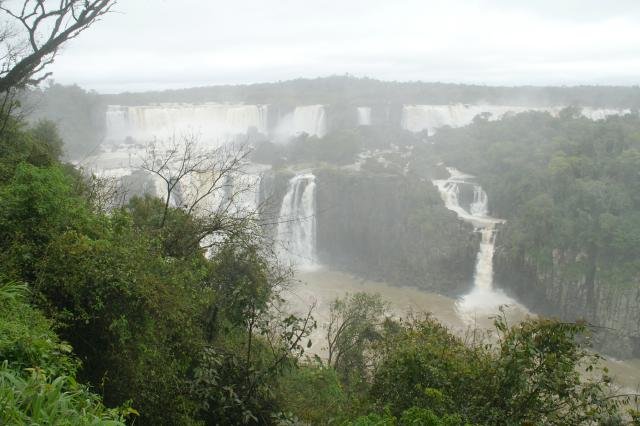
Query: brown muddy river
322, 286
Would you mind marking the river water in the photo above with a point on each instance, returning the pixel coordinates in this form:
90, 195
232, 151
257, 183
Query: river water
322, 286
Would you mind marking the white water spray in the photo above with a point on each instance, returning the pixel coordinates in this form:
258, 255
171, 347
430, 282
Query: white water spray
417, 118
213, 123
364, 116
297, 222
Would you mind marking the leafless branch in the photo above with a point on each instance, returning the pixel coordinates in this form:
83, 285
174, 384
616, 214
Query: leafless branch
45, 27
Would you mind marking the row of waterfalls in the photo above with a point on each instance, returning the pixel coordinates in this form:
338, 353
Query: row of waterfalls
217, 123
213, 123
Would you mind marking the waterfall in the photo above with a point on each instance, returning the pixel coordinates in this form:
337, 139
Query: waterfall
417, 118
483, 299
245, 189
364, 116
480, 204
297, 222
602, 113
213, 123
310, 119
483, 278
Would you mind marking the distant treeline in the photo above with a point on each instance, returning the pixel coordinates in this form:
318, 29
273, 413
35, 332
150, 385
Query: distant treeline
367, 91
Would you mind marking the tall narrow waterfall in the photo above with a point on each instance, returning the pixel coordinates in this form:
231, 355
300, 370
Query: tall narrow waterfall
483, 299
297, 222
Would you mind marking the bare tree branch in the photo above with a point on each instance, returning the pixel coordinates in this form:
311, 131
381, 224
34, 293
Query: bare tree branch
46, 26
207, 184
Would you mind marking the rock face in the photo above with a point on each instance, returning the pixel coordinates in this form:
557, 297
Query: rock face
392, 228
570, 291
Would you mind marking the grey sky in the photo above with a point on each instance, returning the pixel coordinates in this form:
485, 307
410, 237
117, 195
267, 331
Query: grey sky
158, 44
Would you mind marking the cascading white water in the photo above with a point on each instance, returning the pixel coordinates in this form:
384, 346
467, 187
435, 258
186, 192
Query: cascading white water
417, 118
364, 116
245, 189
602, 113
296, 231
309, 119
483, 299
213, 123
480, 204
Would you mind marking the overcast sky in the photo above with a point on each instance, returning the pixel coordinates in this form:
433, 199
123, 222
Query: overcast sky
159, 44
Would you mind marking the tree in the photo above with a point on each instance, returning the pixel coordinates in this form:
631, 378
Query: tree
251, 340
43, 27
199, 175
353, 324
532, 375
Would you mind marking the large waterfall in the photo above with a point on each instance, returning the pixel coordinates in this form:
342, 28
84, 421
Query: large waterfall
309, 119
213, 123
297, 222
483, 299
417, 118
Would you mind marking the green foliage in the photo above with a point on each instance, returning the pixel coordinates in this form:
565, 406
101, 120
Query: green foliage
426, 366
354, 325
38, 204
312, 393
240, 278
532, 376
37, 371
37, 400
39, 145
412, 416
180, 234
